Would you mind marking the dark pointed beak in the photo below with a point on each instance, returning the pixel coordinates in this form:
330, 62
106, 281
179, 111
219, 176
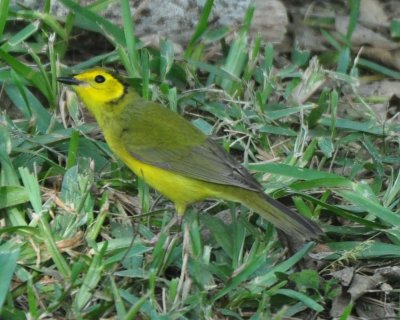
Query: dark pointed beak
69, 80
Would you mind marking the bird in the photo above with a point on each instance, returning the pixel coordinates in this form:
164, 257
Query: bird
172, 155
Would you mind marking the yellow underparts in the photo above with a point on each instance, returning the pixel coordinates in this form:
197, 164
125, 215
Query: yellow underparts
180, 189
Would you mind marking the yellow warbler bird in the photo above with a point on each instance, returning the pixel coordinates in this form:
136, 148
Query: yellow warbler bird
172, 155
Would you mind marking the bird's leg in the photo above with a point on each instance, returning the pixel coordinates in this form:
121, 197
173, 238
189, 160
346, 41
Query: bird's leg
185, 282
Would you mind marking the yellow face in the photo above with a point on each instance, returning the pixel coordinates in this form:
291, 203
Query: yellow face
96, 87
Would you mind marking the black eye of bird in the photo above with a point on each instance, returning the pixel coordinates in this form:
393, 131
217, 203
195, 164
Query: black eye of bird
99, 78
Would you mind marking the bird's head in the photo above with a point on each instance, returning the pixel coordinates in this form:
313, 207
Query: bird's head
96, 87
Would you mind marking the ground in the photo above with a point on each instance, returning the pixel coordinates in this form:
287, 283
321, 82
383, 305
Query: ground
314, 118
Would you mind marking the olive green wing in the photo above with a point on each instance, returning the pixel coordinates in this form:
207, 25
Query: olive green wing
162, 138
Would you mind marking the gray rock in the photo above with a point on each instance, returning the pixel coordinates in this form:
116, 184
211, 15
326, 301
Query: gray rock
176, 19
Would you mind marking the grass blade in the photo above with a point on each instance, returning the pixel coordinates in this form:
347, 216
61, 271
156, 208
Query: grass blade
129, 31
8, 262
4, 5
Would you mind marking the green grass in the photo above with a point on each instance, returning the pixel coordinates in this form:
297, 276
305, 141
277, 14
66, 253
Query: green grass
76, 224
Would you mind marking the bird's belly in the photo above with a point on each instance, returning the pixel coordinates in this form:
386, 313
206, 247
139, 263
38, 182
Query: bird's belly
180, 189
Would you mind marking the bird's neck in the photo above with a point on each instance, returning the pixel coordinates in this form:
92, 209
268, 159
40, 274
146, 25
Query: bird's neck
114, 117
110, 113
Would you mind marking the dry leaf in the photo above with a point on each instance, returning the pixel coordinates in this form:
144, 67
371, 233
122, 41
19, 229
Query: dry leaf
270, 20
344, 275
364, 36
372, 14
361, 284
374, 309
339, 303
384, 88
